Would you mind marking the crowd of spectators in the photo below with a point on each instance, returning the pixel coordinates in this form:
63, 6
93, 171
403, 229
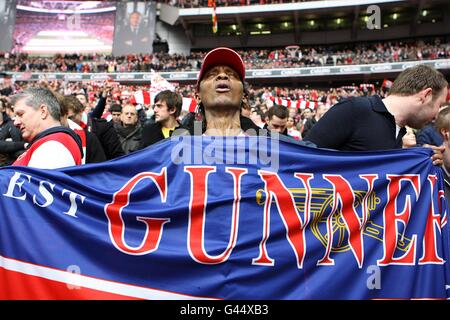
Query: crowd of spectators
224, 3
364, 53
260, 100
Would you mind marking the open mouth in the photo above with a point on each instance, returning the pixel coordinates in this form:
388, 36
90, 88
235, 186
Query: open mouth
223, 87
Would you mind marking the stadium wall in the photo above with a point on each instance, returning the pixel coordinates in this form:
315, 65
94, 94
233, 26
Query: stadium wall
175, 36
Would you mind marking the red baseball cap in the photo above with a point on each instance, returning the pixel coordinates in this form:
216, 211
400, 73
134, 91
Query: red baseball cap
222, 56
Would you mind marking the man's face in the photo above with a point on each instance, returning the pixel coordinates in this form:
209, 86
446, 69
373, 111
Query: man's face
134, 19
116, 116
277, 124
161, 111
428, 109
255, 117
129, 116
307, 114
221, 89
75, 117
27, 119
321, 110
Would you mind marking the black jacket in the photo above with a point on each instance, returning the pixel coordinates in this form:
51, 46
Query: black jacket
152, 133
130, 138
11, 143
107, 136
94, 149
247, 125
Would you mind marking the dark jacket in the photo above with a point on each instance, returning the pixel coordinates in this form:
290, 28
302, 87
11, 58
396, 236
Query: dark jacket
130, 138
152, 133
247, 125
107, 136
12, 144
429, 135
141, 41
308, 126
357, 124
94, 149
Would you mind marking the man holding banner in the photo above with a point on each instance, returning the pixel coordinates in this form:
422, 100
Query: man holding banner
372, 123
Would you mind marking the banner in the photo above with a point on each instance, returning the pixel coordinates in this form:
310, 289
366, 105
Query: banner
336, 72
235, 218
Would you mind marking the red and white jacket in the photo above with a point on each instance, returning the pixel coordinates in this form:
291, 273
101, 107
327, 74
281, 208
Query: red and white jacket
53, 148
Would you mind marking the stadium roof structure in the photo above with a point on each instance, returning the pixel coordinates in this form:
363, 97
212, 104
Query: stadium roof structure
312, 22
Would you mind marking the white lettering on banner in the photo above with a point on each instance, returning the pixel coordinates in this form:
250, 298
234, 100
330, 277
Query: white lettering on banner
99, 77
179, 76
45, 193
73, 203
381, 68
262, 73
125, 76
13, 183
320, 70
74, 77
409, 65
44, 197
442, 64
350, 69
291, 72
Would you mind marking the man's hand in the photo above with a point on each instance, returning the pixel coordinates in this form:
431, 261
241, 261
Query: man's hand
438, 156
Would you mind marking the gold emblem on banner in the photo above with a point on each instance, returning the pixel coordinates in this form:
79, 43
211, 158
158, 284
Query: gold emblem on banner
321, 202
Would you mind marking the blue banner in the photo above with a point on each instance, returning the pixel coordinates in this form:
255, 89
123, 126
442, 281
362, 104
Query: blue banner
235, 218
